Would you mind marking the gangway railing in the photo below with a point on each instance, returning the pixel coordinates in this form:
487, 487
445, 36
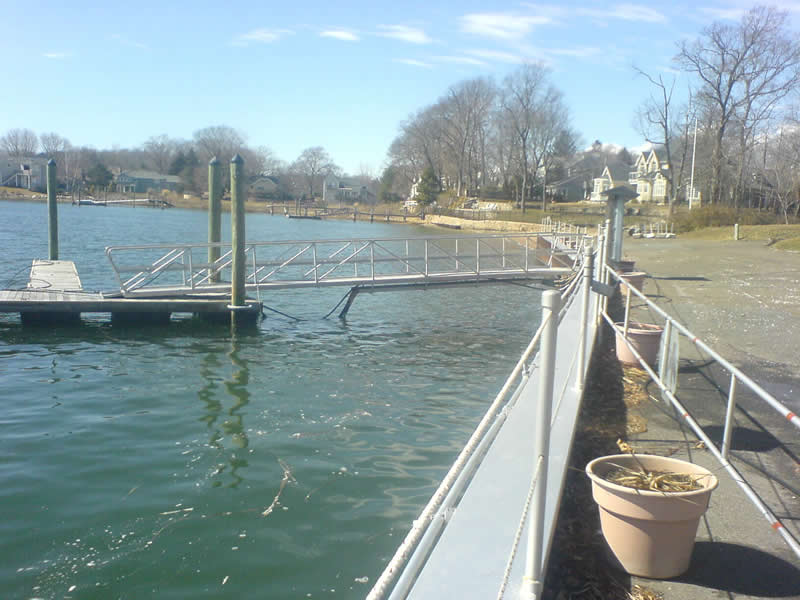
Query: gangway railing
400, 575
666, 380
169, 270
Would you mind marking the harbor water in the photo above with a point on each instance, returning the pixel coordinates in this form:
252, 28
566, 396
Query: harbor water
287, 461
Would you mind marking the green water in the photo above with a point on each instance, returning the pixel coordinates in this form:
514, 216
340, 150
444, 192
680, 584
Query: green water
181, 462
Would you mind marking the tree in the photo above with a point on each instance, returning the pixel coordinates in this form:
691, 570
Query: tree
177, 164
312, 166
53, 145
220, 141
428, 187
19, 143
385, 193
159, 150
99, 176
744, 71
536, 114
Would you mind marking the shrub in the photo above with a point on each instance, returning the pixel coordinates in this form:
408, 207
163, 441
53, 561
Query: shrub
715, 215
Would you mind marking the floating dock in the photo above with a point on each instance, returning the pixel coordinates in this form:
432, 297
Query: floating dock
55, 294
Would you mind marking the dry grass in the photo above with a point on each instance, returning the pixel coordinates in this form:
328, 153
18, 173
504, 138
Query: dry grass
782, 237
654, 481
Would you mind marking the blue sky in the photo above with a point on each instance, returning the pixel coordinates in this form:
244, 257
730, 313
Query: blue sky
337, 74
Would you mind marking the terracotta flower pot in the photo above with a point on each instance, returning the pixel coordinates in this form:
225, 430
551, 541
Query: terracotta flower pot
626, 266
634, 278
646, 338
650, 533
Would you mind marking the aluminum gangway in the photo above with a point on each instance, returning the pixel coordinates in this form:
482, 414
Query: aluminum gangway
193, 269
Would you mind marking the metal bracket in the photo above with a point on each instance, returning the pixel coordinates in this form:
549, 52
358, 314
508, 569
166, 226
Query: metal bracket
603, 288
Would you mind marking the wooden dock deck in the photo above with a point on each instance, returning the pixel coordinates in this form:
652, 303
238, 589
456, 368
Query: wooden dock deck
54, 293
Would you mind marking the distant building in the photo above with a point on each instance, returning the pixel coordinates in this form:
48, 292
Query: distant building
345, 191
140, 181
648, 176
264, 186
581, 173
612, 176
28, 173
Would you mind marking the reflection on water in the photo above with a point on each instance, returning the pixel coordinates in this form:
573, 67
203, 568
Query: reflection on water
140, 463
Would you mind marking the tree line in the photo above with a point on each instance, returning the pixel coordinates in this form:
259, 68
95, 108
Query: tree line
485, 138
187, 159
742, 100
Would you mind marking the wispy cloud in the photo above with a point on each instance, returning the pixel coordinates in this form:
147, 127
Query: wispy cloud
55, 55
260, 36
501, 25
582, 52
121, 39
412, 35
459, 60
413, 62
340, 34
726, 14
497, 56
626, 12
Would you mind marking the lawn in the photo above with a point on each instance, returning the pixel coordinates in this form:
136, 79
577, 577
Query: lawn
783, 237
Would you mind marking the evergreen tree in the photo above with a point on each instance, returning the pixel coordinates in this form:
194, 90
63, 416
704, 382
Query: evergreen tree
428, 187
178, 164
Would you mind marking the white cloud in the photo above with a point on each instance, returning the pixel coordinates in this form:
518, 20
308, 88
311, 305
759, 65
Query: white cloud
726, 14
496, 56
413, 62
501, 25
55, 55
459, 60
412, 35
260, 36
626, 12
583, 52
340, 34
127, 42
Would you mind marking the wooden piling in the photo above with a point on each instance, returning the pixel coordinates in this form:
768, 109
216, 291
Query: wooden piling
52, 211
214, 213
237, 232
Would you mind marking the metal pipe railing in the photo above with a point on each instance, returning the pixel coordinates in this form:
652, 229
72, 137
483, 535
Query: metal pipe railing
721, 454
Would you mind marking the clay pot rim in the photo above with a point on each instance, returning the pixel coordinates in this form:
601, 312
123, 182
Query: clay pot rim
633, 274
709, 482
645, 328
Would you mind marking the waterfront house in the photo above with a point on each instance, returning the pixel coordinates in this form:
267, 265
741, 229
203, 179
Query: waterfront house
614, 175
335, 189
648, 176
29, 173
264, 186
140, 181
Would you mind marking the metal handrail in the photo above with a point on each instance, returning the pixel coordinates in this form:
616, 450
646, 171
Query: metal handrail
721, 454
404, 567
321, 262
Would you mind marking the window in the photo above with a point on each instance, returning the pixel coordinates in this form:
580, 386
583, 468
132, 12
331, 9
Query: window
660, 189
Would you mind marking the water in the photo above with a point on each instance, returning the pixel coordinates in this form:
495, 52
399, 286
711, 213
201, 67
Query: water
179, 462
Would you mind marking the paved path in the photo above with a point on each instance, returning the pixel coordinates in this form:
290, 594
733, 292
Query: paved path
743, 300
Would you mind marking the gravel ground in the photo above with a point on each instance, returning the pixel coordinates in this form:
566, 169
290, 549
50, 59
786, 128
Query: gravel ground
741, 298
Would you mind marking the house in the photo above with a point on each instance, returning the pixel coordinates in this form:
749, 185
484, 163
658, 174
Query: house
29, 173
611, 177
264, 186
339, 190
140, 181
648, 176
579, 174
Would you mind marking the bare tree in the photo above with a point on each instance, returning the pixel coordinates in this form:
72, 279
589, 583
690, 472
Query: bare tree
53, 145
313, 165
744, 71
19, 143
220, 141
159, 150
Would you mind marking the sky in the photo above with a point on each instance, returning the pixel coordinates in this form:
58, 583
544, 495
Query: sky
341, 75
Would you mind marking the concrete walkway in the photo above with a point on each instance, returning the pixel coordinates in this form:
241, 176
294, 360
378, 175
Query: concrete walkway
743, 300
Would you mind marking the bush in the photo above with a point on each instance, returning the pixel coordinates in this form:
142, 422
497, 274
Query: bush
720, 216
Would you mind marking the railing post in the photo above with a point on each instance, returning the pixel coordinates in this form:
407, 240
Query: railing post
52, 211
214, 217
237, 233
728, 433
587, 285
534, 577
